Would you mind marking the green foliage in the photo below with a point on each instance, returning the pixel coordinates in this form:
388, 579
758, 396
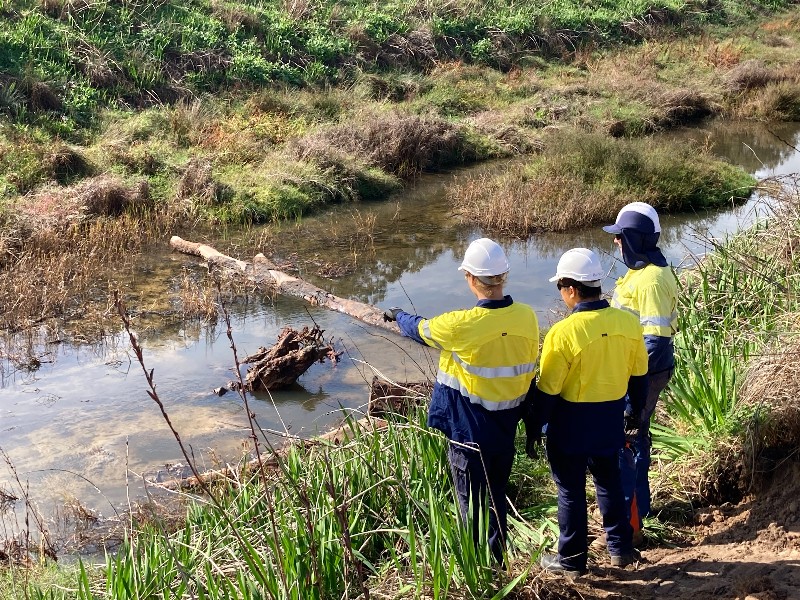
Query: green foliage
99, 53
331, 519
729, 307
291, 190
674, 176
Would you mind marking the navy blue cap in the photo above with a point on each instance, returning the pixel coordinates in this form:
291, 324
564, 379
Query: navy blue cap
638, 216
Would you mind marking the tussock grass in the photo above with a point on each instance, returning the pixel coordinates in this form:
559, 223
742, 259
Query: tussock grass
286, 188
771, 384
584, 179
730, 411
28, 161
402, 145
774, 102
60, 207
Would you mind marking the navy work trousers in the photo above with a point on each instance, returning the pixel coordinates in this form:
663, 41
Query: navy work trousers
472, 471
634, 462
569, 474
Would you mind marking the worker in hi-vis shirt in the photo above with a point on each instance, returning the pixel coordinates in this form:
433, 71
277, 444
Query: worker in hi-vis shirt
487, 362
591, 361
649, 291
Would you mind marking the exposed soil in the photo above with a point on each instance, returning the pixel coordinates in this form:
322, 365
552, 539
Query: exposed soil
746, 551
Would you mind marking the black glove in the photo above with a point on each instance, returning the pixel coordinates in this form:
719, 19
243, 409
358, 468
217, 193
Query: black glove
632, 424
533, 442
391, 314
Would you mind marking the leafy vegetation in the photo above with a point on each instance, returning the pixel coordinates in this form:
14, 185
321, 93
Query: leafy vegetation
326, 521
736, 308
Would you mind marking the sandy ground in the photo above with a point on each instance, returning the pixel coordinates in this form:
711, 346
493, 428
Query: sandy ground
746, 551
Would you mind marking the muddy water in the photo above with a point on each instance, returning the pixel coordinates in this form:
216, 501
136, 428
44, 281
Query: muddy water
82, 425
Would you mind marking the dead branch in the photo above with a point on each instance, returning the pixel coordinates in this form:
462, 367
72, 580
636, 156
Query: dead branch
264, 274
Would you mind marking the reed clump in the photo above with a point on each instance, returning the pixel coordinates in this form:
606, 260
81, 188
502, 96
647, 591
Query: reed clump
197, 299
103, 196
772, 386
403, 145
731, 412
581, 179
66, 272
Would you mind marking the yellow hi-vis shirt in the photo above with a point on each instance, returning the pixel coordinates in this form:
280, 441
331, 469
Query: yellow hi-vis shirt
590, 355
651, 294
488, 355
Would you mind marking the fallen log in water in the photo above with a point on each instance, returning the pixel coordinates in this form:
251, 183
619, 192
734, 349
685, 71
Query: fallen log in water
263, 273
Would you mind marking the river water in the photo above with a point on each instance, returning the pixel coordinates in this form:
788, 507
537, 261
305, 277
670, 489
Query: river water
82, 426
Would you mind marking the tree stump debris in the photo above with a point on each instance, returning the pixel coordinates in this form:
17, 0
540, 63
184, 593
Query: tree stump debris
281, 365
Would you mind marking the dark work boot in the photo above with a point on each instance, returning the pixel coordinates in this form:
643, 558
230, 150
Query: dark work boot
624, 560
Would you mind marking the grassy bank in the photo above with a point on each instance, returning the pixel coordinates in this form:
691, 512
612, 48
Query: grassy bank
69, 58
249, 112
244, 154
581, 180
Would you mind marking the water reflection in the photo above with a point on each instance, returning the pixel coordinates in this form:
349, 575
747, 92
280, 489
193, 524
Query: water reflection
86, 410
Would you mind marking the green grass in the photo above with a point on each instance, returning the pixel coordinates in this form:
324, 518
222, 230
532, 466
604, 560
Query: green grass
377, 511
581, 179
105, 54
41, 581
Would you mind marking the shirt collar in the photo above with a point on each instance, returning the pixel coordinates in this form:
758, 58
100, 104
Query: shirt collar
506, 301
592, 305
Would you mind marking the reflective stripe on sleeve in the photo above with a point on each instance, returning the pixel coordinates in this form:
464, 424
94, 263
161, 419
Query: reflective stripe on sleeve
657, 321
491, 405
616, 304
491, 372
426, 334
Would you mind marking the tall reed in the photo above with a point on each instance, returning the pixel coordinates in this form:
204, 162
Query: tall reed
733, 306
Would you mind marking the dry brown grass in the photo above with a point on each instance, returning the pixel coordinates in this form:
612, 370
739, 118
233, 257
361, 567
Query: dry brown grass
404, 145
778, 101
198, 299
683, 106
772, 386
518, 206
60, 207
748, 75
198, 184
67, 272
512, 129
236, 16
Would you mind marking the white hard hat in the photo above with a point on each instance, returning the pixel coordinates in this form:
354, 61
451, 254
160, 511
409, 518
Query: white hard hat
580, 264
484, 258
636, 215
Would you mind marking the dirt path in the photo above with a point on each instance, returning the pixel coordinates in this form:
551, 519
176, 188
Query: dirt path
747, 551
